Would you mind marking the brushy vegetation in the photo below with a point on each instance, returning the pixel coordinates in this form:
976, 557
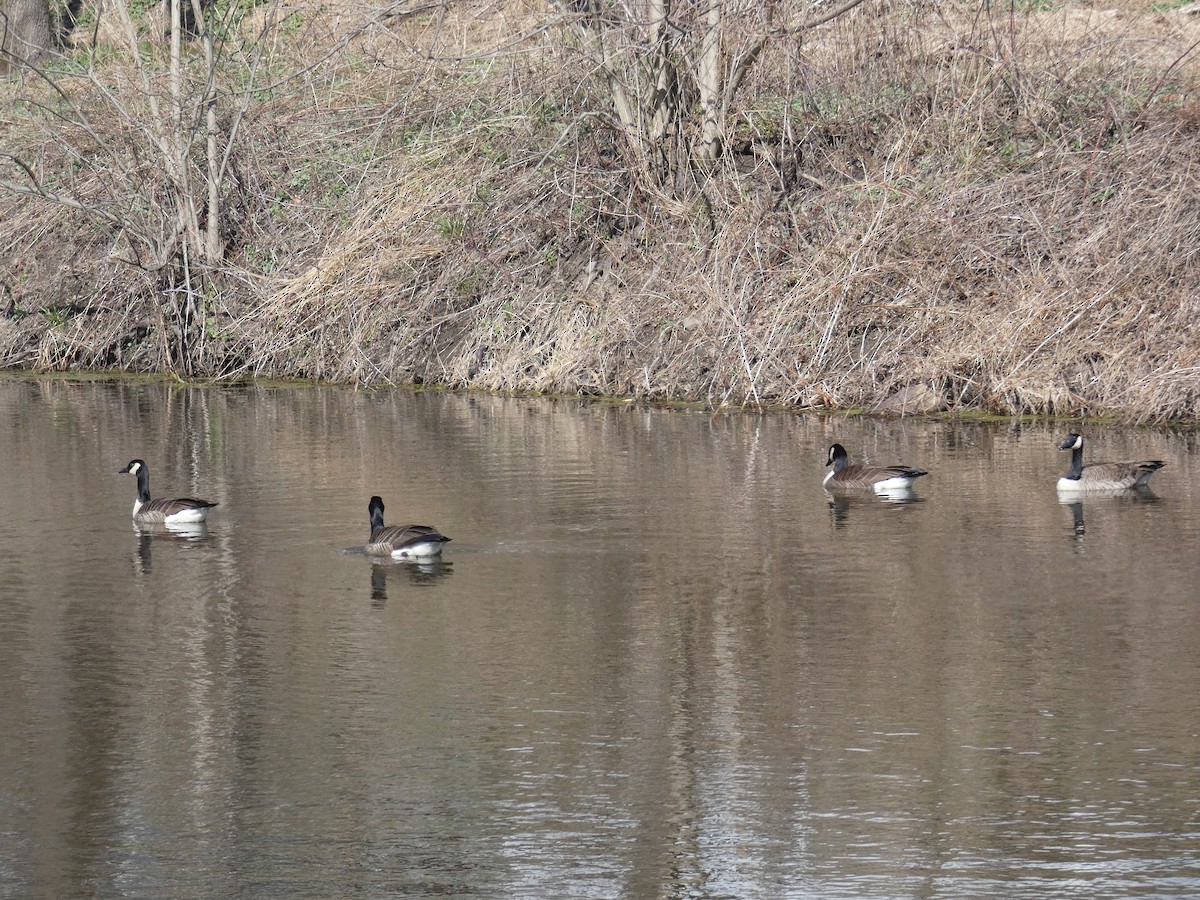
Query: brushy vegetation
964, 207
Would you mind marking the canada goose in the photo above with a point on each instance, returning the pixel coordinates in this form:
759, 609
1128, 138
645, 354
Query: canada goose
401, 541
1109, 476
879, 478
168, 512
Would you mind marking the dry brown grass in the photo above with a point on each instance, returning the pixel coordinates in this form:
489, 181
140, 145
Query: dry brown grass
1003, 209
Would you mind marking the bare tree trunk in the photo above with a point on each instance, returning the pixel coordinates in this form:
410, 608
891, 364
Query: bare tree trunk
189, 225
213, 246
25, 32
662, 105
708, 82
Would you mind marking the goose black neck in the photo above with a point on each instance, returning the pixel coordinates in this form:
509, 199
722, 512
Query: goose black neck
1076, 469
143, 477
376, 510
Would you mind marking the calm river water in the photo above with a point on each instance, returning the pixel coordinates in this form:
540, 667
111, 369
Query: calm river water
655, 662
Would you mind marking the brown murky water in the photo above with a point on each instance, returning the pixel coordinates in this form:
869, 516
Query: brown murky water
656, 660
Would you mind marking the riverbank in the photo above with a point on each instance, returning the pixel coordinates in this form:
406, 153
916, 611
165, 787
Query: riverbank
933, 212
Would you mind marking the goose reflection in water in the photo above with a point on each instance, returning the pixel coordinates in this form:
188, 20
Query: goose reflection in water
1074, 502
423, 573
1076, 508
840, 503
175, 531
